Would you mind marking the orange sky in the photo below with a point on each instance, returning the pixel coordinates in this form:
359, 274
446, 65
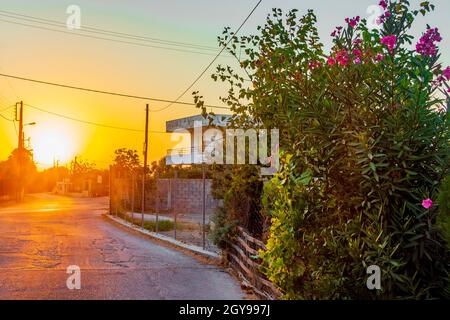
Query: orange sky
110, 66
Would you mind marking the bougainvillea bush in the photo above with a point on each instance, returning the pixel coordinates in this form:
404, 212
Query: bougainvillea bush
364, 148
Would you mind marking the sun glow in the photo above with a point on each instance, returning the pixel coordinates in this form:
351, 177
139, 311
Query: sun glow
52, 143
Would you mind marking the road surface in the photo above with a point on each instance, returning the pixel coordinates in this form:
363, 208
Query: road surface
41, 238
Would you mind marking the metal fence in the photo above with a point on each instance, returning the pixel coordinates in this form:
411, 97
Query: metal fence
178, 208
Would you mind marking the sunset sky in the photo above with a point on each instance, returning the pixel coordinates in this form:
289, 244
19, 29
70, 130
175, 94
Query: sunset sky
110, 66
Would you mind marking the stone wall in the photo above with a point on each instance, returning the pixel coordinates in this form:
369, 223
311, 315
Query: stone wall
184, 196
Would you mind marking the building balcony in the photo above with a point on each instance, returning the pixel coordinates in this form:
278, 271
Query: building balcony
184, 156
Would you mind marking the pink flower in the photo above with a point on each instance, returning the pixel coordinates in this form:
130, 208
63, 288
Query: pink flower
390, 42
446, 73
314, 65
439, 81
342, 57
379, 57
331, 61
353, 22
358, 60
427, 203
426, 45
383, 4
357, 52
336, 32
379, 20
387, 14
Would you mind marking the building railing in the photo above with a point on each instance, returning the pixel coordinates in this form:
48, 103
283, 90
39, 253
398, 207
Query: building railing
184, 151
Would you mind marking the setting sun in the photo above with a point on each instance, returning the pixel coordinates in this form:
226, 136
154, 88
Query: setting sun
53, 143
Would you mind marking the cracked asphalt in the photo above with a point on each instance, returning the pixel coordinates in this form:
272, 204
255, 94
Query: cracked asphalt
43, 236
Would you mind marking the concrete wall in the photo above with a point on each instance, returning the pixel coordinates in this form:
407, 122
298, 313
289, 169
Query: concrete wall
183, 196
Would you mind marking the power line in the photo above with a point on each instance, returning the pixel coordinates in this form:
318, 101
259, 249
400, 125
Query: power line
7, 100
88, 122
214, 60
15, 129
107, 92
104, 31
6, 118
106, 39
9, 84
3, 110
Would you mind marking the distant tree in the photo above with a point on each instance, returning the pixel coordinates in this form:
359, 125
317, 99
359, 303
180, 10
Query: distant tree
15, 168
81, 166
164, 171
126, 159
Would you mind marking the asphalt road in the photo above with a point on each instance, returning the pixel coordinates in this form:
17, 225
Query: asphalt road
41, 238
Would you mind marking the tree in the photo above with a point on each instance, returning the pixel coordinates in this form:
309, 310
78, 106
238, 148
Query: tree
81, 166
126, 159
364, 141
18, 166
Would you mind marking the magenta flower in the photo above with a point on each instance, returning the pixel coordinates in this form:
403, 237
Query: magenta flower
383, 4
314, 65
390, 42
379, 57
336, 32
439, 81
427, 203
353, 22
446, 73
426, 45
357, 52
358, 60
342, 57
331, 61
379, 20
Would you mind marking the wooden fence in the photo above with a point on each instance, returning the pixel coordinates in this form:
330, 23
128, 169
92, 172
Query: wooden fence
243, 258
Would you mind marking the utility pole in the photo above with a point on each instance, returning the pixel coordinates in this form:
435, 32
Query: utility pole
110, 190
20, 146
132, 197
20, 154
145, 164
75, 164
204, 205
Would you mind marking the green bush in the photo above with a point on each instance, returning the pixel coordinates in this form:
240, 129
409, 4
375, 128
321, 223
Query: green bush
223, 228
444, 209
163, 225
365, 135
241, 190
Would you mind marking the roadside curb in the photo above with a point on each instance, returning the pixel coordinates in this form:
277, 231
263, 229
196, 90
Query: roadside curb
159, 237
